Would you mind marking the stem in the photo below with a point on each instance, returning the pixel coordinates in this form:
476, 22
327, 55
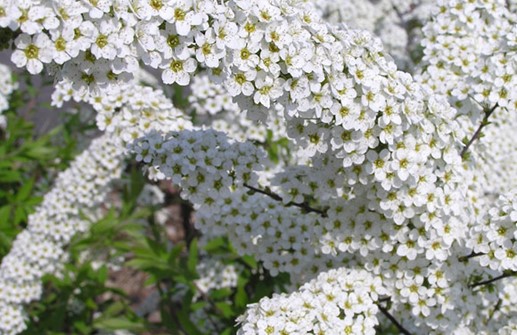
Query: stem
472, 255
166, 305
384, 299
207, 299
478, 131
490, 281
167, 308
276, 197
496, 308
397, 324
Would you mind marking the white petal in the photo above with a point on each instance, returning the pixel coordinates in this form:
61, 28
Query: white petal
18, 58
34, 66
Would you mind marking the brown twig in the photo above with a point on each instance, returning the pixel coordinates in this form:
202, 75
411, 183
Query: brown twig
397, 324
476, 135
276, 197
490, 281
472, 255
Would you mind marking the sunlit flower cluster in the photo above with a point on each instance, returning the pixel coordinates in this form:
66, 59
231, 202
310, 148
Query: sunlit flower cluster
214, 107
497, 243
336, 301
392, 20
470, 55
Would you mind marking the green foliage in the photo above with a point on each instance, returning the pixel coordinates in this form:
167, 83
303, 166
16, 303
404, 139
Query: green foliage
28, 163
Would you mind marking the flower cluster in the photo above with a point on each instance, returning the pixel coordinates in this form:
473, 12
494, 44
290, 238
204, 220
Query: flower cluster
392, 20
129, 112
492, 165
214, 275
7, 86
470, 52
469, 56
336, 301
65, 210
497, 237
213, 107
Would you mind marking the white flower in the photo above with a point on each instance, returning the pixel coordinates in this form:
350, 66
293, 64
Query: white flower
178, 71
32, 52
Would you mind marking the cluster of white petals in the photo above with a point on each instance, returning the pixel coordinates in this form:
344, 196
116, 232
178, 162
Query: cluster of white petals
341, 300
214, 107
470, 55
498, 245
215, 275
392, 20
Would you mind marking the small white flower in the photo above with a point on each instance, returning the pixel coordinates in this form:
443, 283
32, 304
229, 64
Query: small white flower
32, 52
178, 71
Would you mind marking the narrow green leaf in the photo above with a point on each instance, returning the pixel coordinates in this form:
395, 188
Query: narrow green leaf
193, 256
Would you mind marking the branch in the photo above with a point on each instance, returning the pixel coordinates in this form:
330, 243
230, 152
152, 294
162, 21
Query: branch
478, 131
397, 324
490, 281
472, 255
304, 206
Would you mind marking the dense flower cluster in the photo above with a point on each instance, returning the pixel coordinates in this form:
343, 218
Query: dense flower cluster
492, 163
129, 112
498, 245
378, 179
7, 86
470, 54
392, 20
65, 210
336, 301
470, 57
213, 107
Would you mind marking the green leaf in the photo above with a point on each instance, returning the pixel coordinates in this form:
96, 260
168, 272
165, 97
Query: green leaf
186, 323
220, 293
118, 323
102, 274
82, 327
38, 152
5, 213
228, 331
193, 256
250, 261
216, 245
10, 176
25, 191
147, 264
225, 308
241, 297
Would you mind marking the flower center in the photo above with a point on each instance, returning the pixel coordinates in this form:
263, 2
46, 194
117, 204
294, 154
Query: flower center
32, 51
156, 4
60, 44
177, 66
102, 41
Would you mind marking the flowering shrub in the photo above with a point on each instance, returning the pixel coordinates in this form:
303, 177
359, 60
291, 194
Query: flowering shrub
301, 142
